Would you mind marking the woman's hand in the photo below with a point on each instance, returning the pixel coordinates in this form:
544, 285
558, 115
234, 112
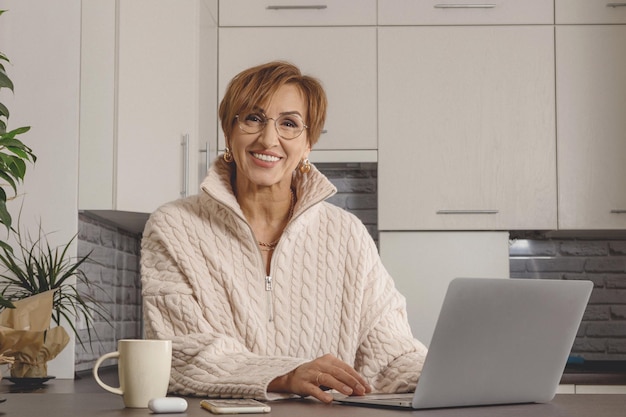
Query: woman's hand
326, 372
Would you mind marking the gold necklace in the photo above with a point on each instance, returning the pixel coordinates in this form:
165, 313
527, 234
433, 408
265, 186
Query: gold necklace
267, 247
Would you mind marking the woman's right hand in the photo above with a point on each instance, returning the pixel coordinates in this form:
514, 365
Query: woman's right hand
324, 372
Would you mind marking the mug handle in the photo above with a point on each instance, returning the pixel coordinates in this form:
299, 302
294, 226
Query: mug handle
101, 359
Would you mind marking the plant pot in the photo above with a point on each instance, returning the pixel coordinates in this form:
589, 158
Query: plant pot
29, 370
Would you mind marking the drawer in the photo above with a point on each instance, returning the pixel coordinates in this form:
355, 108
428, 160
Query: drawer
297, 13
589, 11
465, 12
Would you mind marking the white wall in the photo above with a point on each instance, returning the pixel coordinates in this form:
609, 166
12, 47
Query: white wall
42, 40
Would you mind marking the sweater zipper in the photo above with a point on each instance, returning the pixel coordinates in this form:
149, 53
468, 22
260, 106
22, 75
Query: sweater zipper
269, 286
268, 290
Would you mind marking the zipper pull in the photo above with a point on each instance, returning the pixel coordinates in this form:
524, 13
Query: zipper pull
268, 291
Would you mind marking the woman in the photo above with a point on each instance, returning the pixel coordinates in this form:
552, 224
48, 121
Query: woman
264, 288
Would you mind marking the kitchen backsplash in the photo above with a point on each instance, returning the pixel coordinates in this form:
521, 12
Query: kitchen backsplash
602, 335
114, 270
357, 191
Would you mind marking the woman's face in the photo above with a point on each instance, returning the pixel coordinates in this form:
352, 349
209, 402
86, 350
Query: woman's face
264, 159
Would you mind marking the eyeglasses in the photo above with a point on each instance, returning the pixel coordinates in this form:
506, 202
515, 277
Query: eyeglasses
288, 126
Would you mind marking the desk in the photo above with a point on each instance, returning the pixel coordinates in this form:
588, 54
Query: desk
68, 398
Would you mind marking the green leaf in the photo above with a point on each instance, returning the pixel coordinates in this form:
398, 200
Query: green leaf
6, 303
6, 159
21, 130
5, 81
8, 179
4, 111
18, 168
16, 146
13, 165
18, 151
5, 246
18, 131
5, 216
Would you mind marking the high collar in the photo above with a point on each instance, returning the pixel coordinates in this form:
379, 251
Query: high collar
311, 188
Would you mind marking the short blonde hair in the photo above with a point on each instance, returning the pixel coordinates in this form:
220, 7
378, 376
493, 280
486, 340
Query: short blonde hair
256, 86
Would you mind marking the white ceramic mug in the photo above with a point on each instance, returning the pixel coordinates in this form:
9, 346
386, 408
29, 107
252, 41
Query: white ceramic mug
143, 368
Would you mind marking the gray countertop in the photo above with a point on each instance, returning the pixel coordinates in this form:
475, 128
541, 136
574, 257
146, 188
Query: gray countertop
83, 397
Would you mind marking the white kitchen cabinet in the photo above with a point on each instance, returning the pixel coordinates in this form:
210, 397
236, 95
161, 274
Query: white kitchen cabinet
334, 41
147, 108
467, 128
347, 72
422, 265
589, 12
591, 127
296, 13
454, 12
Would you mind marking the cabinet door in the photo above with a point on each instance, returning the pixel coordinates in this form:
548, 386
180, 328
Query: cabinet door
347, 71
97, 105
591, 99
467, 131
438, 12
589, 11
297, 13
157, 90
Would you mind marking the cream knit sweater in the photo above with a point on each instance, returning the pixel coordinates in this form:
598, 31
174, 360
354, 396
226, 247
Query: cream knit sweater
234, 330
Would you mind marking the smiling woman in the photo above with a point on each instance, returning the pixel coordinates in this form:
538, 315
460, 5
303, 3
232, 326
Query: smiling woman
264, 157
266, 289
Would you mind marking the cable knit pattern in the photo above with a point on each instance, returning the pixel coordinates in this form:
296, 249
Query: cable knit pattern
204, 288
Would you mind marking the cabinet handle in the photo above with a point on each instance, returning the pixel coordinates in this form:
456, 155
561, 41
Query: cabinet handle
207, 161
614, 5
304, 7
467, 211
207, 157
618, 211
185, 183
464, 6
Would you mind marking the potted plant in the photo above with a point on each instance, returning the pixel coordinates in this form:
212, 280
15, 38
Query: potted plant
36, 268
13, 157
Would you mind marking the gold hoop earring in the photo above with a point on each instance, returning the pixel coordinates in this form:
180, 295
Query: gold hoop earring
305, 166
228, 156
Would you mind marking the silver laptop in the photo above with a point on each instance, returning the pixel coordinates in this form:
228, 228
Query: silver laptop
497, 341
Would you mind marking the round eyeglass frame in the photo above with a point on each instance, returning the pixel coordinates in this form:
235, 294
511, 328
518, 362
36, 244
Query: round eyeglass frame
242, 125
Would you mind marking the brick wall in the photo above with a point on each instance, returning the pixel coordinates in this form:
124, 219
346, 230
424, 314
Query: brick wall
602, 334
357, 191
114, 268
